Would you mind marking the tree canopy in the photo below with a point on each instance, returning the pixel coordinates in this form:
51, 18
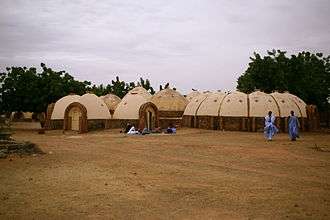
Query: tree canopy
26, 90
306, 75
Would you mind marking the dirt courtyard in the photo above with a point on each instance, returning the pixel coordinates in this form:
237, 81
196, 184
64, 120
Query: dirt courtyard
195, 174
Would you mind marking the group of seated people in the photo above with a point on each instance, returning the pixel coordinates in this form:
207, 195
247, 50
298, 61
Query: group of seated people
132, 130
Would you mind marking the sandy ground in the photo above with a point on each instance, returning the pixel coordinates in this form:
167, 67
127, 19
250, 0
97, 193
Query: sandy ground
196, 174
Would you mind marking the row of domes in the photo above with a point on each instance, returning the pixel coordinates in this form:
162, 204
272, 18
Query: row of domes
238, 104
234, 104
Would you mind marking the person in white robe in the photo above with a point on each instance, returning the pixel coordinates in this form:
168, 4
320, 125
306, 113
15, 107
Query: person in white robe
133, 131
270, 129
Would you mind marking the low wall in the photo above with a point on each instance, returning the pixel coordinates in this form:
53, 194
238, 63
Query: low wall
92, 124
165, 122
187, 121
121, 123
234, 123
56, 124
207, 122
23, 120
254, 124
167, 118
96, 124
215, 123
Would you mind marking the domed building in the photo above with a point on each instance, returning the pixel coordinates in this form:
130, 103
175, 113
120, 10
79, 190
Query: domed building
189, 114
286, 103
55, 111
234, 112
299, 102
171, 105
207, 115
241, 112
111, 101
218, 110
260, 104
192, 95
78, 113
136, 108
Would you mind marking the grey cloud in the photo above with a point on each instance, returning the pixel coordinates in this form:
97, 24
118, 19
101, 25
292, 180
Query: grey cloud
192, 44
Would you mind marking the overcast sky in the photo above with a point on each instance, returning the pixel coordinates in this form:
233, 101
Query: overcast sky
202, 44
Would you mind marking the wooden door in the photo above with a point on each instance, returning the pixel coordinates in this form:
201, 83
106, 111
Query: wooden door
75, 115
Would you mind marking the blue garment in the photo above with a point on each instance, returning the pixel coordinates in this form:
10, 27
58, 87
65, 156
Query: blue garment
270, 129
293, 127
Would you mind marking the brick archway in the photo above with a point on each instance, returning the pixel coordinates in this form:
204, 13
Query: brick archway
82, 119
143, 114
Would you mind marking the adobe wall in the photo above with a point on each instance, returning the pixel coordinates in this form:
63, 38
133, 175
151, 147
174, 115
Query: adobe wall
187, 121
216, 123
121, 123
170, 114
22, 120
165, 122
92, 124
167, 118
208, 122
96, 124
56, 124
234, 123
254, 124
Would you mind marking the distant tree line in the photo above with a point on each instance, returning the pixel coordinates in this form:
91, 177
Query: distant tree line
27, 90
306, 75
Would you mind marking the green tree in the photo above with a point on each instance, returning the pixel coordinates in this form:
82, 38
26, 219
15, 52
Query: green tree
18, 88
306, 75
98, 90
23, 89
146, 84
121, 88
26, 90
118, 87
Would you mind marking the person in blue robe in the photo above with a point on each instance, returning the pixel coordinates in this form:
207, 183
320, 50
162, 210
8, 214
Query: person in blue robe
293, 124
270, 129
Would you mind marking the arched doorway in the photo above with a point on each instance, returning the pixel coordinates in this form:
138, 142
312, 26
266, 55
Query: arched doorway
148, 116
75, 118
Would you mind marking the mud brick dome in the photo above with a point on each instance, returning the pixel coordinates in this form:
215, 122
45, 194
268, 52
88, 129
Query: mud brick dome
129, 106
240, 111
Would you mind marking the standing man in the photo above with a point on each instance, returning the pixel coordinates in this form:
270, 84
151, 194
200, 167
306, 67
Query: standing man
270, 129
293, 126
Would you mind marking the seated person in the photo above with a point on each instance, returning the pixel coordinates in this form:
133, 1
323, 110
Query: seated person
174, 130
145, 131
128, 127
171, 129
132, 130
